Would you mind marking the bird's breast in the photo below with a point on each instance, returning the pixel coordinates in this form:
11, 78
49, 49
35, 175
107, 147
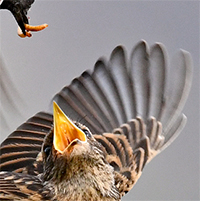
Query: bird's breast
81, 192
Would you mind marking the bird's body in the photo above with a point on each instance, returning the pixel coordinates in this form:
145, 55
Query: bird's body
129, 115
91, 180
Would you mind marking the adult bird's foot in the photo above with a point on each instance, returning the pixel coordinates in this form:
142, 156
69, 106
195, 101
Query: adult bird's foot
30, 28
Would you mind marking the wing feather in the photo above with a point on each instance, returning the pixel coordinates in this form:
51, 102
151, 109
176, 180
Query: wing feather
22, 146
18, 186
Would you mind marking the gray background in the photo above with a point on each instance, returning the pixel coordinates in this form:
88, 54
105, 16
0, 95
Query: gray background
79, 32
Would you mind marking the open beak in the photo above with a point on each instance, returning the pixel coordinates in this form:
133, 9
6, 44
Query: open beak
65, 131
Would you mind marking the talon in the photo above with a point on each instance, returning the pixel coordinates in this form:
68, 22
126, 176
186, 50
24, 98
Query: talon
20, 33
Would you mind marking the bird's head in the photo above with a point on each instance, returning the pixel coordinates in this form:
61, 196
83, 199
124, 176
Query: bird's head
73, 159
70, 138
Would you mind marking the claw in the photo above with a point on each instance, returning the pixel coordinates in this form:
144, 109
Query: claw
21, 34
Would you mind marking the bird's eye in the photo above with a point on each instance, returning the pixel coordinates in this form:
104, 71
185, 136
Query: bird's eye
87, 133
47, 150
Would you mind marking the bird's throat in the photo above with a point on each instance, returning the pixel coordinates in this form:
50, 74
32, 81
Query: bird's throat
87, 182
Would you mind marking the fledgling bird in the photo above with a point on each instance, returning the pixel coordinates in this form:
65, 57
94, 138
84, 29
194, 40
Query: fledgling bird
130, 111
19, 9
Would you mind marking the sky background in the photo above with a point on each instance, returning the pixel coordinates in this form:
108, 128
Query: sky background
79, 33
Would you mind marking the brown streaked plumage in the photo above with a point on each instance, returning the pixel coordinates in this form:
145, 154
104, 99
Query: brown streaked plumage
129, 112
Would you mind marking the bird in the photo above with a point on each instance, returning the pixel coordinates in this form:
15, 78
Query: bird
19, 9
105, 127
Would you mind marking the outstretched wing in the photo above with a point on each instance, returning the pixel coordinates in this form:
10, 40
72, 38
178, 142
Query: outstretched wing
120, 90
18, 186
22, 146
134, 108
142, 97
136, 103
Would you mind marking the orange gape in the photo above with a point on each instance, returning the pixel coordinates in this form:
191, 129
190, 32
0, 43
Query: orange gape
30, 28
